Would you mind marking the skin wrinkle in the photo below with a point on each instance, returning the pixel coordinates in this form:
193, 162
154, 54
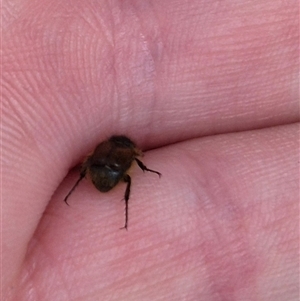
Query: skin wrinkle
220, 263
141, 62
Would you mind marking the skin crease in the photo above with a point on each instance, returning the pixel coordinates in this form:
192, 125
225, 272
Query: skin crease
212, 87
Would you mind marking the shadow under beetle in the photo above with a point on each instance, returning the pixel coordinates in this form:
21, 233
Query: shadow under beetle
108, 165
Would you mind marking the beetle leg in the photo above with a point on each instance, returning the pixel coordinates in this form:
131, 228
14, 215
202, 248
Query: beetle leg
82, 175
144, 168
127, 180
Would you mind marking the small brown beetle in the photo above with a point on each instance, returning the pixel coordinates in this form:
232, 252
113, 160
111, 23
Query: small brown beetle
108, 164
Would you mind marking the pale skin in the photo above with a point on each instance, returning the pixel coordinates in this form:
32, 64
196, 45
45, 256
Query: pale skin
222, 222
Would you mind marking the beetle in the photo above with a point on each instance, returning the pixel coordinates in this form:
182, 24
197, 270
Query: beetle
108, 165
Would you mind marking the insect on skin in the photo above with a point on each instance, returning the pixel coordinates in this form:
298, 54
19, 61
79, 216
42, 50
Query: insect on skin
108, 165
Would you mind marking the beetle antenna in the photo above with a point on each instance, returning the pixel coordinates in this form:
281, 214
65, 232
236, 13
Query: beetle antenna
76, 184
